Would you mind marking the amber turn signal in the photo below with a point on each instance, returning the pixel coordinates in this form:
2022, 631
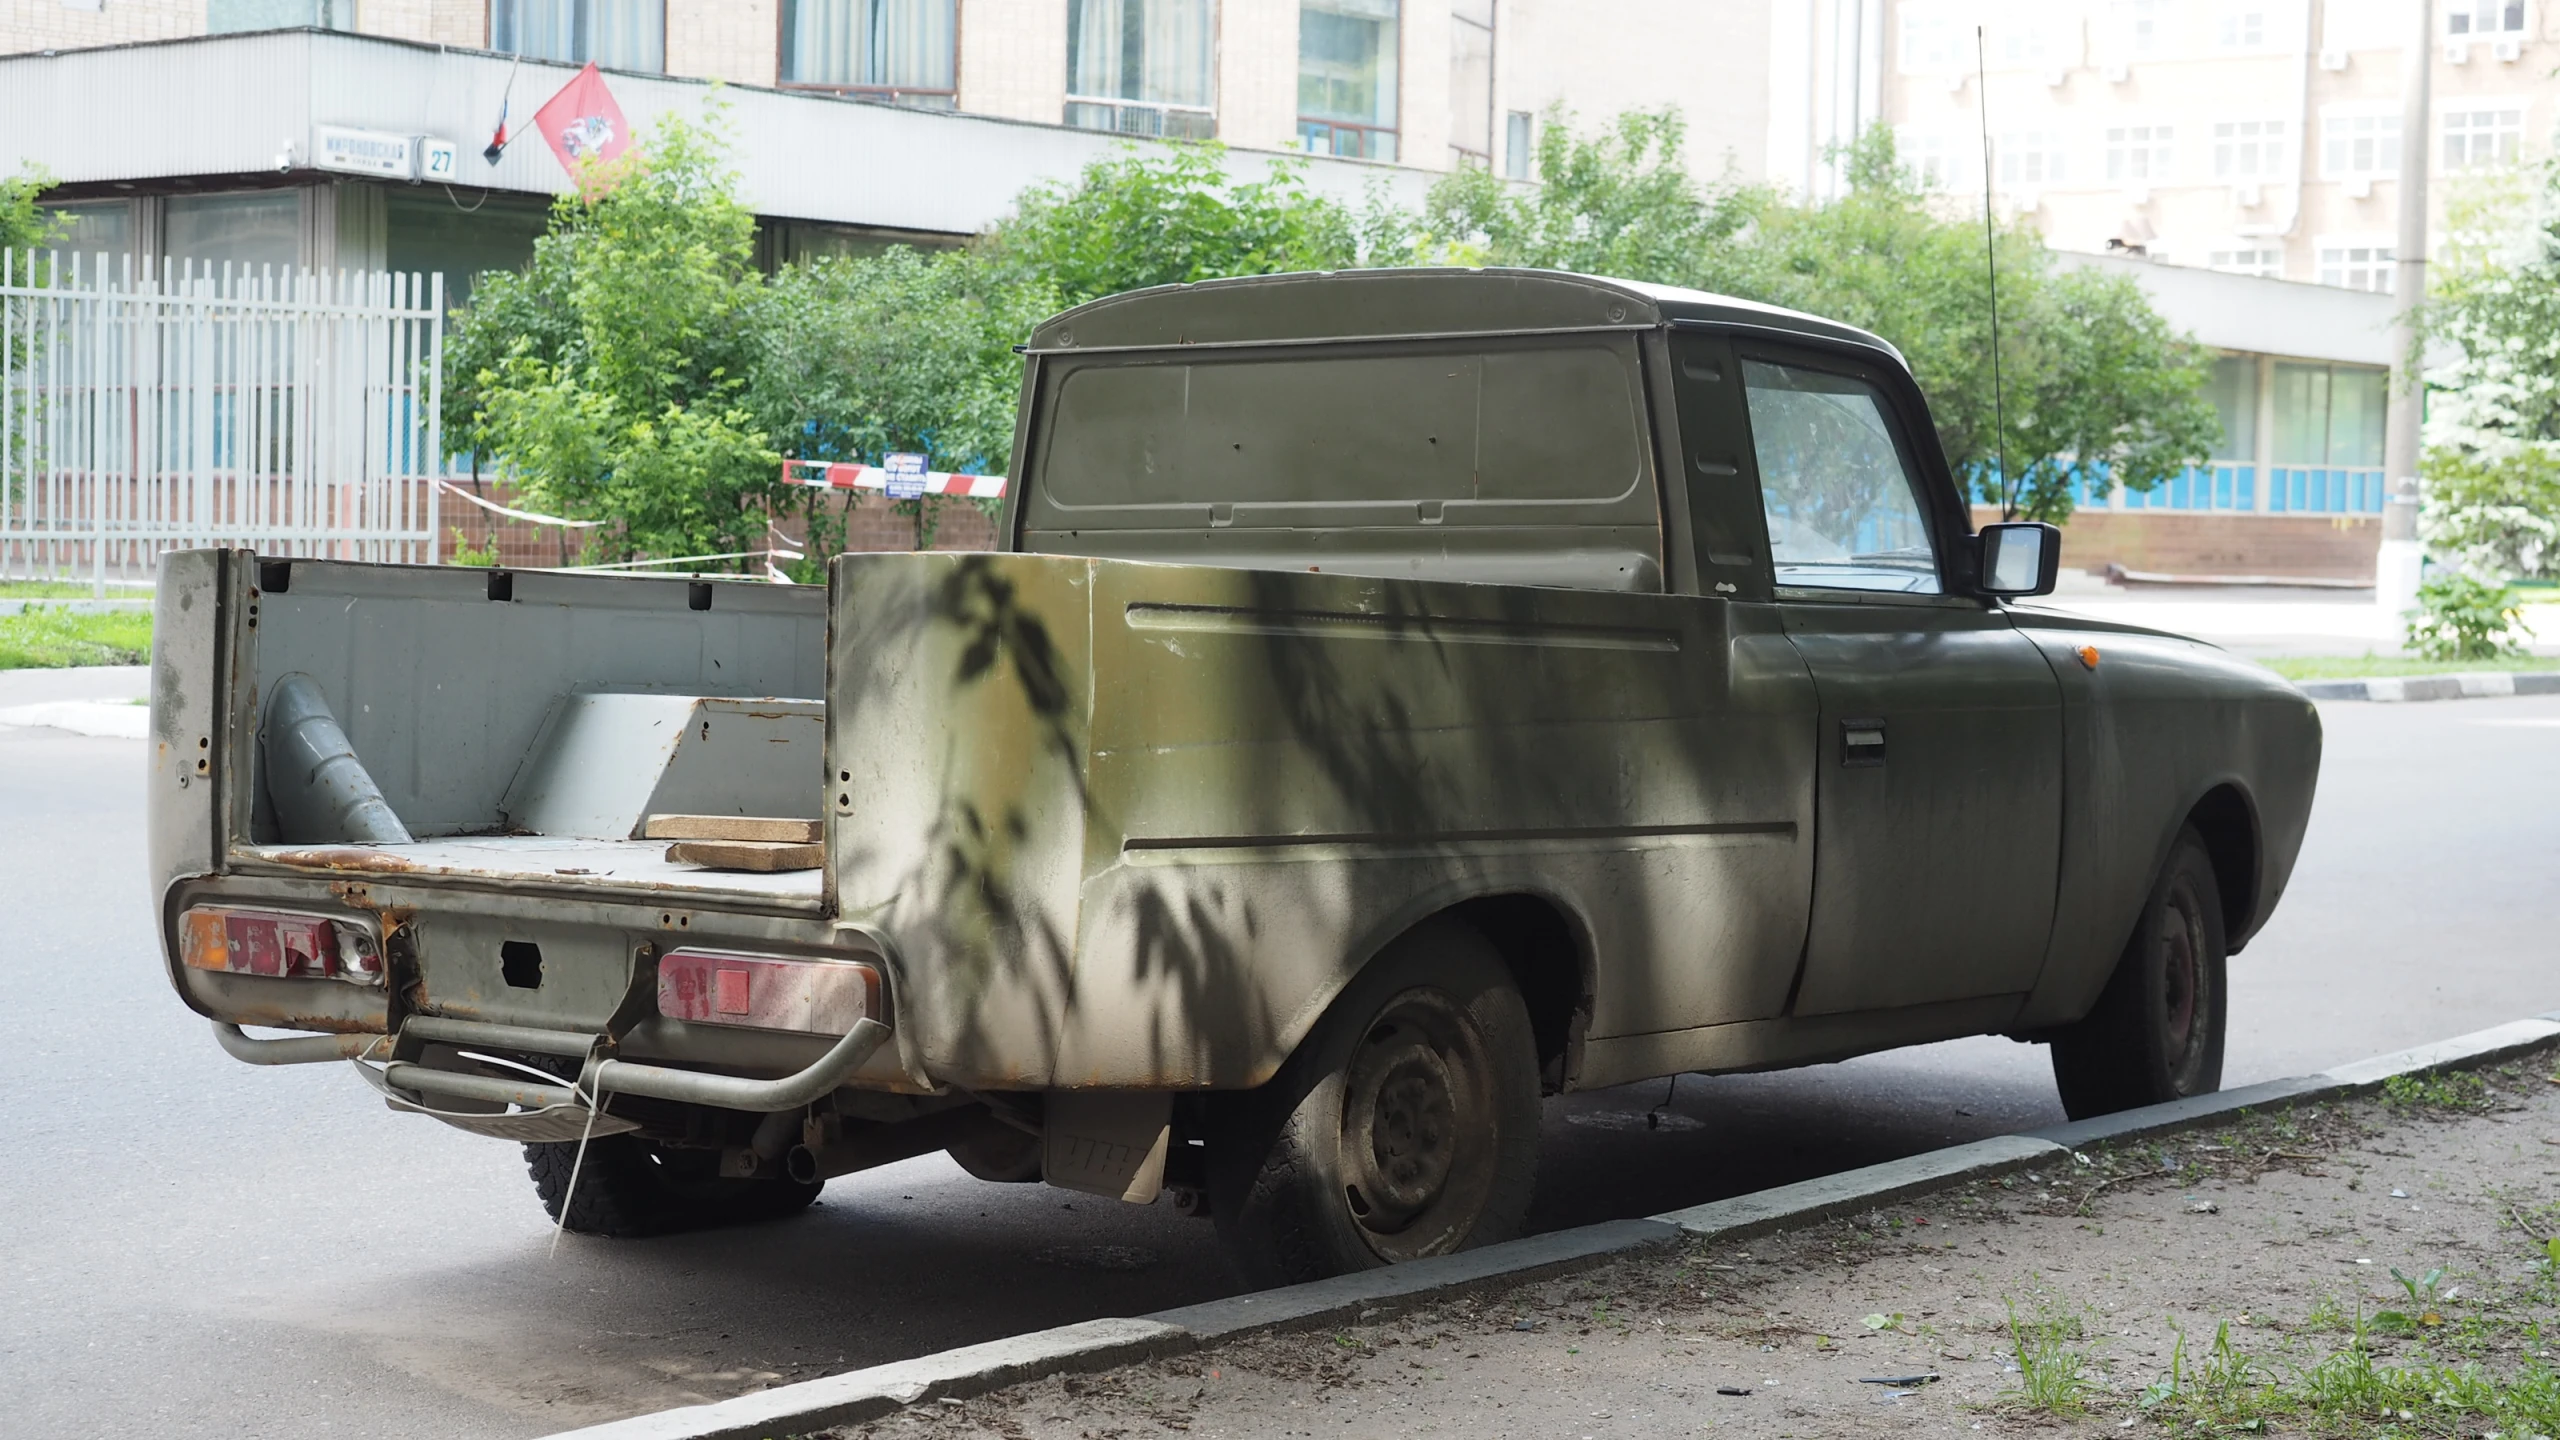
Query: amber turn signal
2088, 657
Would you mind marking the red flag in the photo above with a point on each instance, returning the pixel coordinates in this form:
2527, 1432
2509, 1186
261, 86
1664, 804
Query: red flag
582, 122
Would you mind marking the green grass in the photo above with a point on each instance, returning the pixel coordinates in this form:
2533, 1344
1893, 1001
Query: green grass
2365, 667
68, 590
47, 639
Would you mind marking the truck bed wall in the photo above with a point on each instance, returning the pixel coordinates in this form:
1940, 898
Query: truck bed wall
443, 690
1135, 825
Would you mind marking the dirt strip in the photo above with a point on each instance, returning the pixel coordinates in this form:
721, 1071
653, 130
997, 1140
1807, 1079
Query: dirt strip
2380, 1266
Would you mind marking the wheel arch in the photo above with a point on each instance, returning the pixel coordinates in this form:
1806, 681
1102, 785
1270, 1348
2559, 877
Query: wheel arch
1546, 944
2226, 820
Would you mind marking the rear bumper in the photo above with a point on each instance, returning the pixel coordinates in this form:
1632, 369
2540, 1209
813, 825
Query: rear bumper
599, 1075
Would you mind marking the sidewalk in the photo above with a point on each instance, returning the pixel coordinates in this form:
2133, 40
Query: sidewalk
84, 700
2239, 1277
2265, 620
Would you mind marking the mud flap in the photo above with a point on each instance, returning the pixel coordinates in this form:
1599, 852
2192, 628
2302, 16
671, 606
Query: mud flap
1107, 1142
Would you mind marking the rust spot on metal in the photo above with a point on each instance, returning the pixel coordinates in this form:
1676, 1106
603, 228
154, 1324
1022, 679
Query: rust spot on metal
348, 859
390, 918
284, 1017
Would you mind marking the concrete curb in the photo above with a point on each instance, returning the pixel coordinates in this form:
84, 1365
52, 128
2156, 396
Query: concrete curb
2397, 689
1103, 1344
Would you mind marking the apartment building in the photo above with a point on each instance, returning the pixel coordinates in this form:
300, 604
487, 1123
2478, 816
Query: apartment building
2255, 138
856, 121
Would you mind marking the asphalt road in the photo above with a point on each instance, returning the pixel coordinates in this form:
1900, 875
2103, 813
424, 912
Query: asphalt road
195, 1247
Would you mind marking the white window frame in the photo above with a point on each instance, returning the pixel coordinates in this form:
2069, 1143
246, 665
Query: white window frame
1927, 40
2340, 260
2154, 143
2124, 20
2227, 143
2474, 106
2462, 19
2230, 31
2337, 144
2258, 255
2032, 161
1937, 157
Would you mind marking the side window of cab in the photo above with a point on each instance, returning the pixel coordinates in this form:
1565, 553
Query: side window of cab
1838, 488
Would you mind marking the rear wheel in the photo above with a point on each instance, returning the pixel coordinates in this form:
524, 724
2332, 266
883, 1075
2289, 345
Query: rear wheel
2156, 1033
629, 1186
1405, 1125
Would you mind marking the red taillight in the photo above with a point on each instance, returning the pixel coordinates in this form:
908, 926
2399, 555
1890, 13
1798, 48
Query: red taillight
763, 992
286, 946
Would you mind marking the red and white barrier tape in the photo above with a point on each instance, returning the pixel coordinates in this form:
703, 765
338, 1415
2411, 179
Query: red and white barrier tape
824, 476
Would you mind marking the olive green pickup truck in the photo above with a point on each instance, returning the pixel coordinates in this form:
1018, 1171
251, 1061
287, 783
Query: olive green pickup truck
1399, 696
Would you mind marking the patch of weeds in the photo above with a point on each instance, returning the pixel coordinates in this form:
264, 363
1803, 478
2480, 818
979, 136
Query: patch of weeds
2466, 1091
50, 638
2328, 1315
2052, 1377
2226, 1388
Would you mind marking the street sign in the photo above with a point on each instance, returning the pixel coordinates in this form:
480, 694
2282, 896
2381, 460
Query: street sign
437, 159
364, 152
906, 476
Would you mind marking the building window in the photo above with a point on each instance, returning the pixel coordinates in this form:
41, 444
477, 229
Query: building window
2031, 158
1471, 81
1519, 144
2140, 154
616, 34
2329, 414
227, 17
2355, 146
2264, 261
906, 51
1347, 77
2482, 135
2357, 264
2241, 27
95, 227
2233, 388
2484, 17
2248, 151
260, 228
1932, 161
1141, 67
2139, 29
1932, 43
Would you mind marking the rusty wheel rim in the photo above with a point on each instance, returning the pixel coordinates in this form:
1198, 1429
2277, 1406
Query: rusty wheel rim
1417, 1127
2184, 997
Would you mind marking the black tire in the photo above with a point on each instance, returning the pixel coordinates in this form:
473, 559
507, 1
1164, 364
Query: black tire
1405, 1125
2156, 1033
631, 1187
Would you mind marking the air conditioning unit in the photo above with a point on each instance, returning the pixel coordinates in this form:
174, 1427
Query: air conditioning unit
2509, 49
2360, 187
2245, 196
2118, 73
2333, 59
2457, 52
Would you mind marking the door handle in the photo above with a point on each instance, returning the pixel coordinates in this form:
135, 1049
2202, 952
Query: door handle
1861, 743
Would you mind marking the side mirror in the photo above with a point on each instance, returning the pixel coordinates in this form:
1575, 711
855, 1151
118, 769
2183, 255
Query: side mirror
2020, 558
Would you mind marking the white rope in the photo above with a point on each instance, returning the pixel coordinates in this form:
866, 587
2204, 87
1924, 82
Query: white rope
495, 508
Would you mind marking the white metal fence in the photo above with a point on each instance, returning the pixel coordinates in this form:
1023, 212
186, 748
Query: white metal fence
146, 409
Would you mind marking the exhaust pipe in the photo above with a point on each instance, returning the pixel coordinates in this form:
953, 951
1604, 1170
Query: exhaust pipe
320, 789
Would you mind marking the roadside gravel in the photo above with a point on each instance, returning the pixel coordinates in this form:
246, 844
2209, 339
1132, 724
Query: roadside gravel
2216, 1270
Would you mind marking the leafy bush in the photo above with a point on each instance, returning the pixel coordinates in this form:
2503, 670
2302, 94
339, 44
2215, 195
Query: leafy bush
2459, 618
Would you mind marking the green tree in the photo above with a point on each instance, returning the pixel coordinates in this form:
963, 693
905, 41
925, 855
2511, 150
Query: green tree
25, 225
1166, 215
1620, 203
2091, 376
610, 373
2492, 456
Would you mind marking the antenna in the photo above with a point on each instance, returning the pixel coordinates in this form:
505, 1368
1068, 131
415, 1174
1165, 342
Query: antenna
1991, 268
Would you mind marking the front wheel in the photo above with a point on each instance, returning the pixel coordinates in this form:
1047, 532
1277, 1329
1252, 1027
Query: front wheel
2156, 1033
1405, 1125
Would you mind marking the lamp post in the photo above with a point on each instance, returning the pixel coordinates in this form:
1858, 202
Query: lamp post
2397, 566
